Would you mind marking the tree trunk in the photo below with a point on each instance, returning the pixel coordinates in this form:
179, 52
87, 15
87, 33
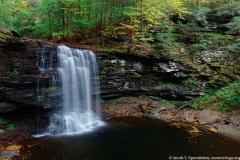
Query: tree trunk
141, 20
63, 20
102, 21
49, 21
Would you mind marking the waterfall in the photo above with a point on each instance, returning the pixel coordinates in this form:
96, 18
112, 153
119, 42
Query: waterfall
78, 81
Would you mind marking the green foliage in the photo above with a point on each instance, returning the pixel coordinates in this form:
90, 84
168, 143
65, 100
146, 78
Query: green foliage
228, 9
148, 15
144, 97
3, 104
223, 99
209, 41
14, 74
192, 81
3, 121
111, 108
11, 126
234, 26
11, 75
172, 104
198, 47
114, 100
39, 99
62, 34
200, 15
48, 89
234, 48
166, 40
144, 25
165, 85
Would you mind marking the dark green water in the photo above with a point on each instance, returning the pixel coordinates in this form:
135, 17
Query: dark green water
131, 139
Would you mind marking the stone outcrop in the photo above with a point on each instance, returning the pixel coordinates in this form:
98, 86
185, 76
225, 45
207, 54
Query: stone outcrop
20, 77
133, 75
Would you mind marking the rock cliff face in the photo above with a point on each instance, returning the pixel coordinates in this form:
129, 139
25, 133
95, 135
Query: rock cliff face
132, 75
20, 77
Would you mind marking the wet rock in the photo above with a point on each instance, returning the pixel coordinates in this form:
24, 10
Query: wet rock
230, 131
170, 66
154, 116
209, 56
9, 154
1, 131
190, 116
235, 120
20, 79
216, 125
158, 110
208, 117
161, 116
155, 98
132, 75
166, 117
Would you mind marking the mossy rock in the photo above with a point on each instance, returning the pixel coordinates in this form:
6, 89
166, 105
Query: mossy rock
6, 33
220, 80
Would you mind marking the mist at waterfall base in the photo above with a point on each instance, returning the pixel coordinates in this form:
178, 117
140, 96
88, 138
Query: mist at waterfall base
78, 83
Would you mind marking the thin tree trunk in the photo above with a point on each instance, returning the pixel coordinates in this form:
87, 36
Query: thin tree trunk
102, 21
67, 20
63, 20
49, 21
141, 20
135, 4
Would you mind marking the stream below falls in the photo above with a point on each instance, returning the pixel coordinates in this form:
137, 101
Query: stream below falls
131, 139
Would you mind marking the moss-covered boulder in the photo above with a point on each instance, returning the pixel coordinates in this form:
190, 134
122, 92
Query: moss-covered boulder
6, 33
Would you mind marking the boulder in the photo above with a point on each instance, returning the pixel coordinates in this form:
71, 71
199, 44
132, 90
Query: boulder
190, 116
208, 117
166, 117
235, 120
230, 131
6, 33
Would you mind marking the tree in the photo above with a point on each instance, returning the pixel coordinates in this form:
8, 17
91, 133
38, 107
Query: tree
146, 15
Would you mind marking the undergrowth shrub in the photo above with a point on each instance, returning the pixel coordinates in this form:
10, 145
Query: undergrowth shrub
223, 99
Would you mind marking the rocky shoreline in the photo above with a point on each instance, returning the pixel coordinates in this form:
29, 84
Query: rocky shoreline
227, 123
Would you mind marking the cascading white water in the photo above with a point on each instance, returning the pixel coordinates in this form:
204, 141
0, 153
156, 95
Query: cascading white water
78, 78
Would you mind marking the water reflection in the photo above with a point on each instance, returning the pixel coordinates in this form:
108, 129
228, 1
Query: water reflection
132, 139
